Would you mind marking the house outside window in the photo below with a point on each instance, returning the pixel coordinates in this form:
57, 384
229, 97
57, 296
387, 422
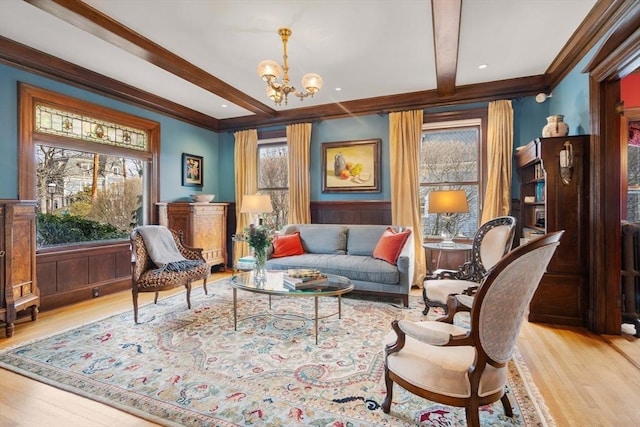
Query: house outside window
86, 196
273, 179
451, 156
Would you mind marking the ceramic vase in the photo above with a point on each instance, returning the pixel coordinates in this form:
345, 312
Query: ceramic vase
555, 126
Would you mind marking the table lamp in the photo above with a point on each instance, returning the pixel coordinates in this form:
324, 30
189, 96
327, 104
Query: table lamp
446, 204
254, 205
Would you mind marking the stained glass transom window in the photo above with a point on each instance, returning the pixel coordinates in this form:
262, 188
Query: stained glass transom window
63, 123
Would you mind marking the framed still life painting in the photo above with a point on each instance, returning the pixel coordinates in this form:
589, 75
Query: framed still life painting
192, 170
351, 166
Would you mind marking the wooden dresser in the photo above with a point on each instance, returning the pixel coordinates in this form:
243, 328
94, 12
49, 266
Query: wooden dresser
18, 285
204, 225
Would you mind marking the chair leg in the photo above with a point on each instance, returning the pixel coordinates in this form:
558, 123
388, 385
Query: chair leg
204, 285
386, 403
472, 411
155, 299
134, 294
452, 309
424, 298
506, 404
188, 286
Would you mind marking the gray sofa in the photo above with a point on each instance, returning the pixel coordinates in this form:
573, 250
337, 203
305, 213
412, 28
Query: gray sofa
346, 250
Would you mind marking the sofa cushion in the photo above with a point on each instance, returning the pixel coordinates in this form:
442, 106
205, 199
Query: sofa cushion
324, 240
354, 267
363, 240
390, 245
287, 245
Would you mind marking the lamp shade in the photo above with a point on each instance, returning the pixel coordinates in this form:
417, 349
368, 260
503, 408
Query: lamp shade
269, 69
256, 203
448, 202
312, 82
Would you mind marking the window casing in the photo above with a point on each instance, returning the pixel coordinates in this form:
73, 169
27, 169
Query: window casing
69, 147
452, 158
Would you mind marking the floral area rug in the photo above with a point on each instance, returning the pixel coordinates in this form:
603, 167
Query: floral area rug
190, 368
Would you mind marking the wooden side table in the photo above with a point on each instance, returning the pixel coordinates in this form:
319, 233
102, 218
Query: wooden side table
437, 246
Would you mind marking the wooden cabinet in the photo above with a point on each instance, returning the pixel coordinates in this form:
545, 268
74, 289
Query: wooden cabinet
18, 286
549, 203
204, 225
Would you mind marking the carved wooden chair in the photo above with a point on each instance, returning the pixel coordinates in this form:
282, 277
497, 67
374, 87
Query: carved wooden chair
490, 243
147, 277
462, 367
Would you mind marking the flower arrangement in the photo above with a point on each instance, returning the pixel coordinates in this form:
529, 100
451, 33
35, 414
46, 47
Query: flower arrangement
258, 237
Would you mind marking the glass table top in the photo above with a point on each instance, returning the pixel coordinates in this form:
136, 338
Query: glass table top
273, 285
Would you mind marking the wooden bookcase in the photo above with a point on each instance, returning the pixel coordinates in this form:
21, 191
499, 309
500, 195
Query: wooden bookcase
548, 204
204, 225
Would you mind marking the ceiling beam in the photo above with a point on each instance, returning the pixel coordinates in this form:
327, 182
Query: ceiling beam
483, 92
446, 15
40, 63
100, 25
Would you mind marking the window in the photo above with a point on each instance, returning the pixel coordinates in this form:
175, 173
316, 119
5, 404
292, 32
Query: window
633, 173
451, 156
273, 178
92, 170
80, 190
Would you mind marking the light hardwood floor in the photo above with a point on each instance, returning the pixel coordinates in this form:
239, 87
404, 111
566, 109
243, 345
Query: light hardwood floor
585, 379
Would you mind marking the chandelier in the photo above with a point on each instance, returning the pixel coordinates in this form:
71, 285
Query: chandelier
269, 71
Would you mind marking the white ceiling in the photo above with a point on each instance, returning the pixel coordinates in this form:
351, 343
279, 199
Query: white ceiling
369, 48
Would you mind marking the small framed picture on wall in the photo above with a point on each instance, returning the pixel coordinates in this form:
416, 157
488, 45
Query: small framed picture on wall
192, 170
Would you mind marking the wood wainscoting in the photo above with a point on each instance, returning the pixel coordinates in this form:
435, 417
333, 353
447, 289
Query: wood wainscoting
352, 212
79, 273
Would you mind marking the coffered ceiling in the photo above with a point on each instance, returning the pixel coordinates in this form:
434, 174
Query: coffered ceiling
197, 58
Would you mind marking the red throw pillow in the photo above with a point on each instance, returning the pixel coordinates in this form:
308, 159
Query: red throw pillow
390, 245
287, 245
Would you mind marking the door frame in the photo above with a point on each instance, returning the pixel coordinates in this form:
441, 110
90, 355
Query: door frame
618, 56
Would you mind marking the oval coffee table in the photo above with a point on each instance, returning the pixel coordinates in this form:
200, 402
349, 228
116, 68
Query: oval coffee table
273, 285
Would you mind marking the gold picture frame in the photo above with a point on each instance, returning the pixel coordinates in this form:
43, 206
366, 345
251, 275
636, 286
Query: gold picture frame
351, 166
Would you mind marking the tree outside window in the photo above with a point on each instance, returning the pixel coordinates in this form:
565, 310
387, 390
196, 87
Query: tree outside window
273, 179
449, 160
633, 173
84, 196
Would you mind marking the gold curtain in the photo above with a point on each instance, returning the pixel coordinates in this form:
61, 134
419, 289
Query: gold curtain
497, 199
298, 143
246, 177
405, 134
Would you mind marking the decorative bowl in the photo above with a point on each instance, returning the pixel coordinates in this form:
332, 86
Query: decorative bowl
203, 198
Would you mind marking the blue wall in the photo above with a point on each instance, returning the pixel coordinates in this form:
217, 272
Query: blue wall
570, 98
176, 137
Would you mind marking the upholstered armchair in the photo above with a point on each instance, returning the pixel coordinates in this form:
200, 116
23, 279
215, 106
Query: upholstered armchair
490, 243
462, 367
147, 277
